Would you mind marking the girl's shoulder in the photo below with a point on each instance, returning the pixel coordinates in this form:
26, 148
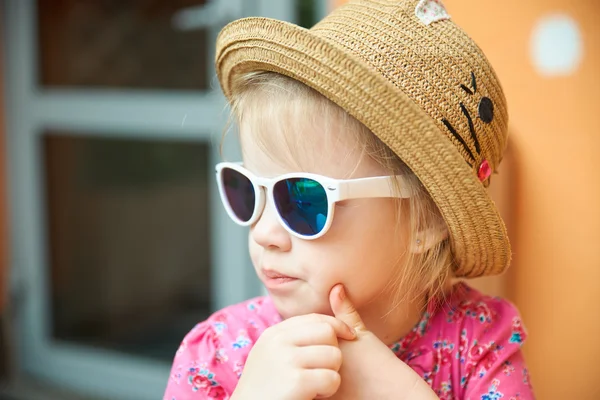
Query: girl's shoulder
475, 314
211, 356
469, 346
234, 327
251, 315
464, 315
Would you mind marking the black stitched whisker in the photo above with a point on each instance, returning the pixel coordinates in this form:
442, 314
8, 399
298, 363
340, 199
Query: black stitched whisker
471, 127
458, 137
473, 82
466, 89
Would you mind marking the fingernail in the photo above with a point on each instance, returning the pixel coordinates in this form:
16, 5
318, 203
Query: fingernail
342, 293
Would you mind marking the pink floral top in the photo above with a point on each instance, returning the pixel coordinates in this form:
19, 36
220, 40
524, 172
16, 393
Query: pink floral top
470, 348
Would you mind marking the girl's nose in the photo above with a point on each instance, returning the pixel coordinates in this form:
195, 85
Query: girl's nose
269, 233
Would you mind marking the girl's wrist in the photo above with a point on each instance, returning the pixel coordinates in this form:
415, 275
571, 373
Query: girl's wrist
237, 394
406, 382
422, 391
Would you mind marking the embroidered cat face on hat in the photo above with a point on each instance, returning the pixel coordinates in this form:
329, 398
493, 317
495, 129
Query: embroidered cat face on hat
485, 112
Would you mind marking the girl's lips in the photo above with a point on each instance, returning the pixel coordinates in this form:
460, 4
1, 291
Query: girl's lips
272, 274
275, 280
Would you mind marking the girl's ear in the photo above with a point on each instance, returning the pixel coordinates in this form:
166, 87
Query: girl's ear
428, 238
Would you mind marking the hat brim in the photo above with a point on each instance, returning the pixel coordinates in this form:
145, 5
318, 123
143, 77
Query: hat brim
477, 233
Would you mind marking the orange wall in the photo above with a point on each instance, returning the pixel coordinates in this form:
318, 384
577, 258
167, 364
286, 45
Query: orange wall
556, 280
555, 229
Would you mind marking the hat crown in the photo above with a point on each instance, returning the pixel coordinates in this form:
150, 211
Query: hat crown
415, 45
419, 83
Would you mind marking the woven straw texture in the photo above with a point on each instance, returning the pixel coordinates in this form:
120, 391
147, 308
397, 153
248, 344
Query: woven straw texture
426, 90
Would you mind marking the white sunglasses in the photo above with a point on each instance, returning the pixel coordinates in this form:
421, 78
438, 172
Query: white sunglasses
304, 202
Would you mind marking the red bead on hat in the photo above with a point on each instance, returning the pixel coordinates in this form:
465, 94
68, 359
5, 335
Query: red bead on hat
484, 170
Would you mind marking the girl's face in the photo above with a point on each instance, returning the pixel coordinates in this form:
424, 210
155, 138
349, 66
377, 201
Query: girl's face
361, 250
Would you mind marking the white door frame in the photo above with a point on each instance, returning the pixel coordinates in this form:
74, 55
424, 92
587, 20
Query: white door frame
30, 110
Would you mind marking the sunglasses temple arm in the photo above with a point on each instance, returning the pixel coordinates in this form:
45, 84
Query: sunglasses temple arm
381, 186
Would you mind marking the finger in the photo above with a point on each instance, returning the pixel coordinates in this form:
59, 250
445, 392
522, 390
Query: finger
344, 310
321, 333
340, 329
318, 357
321, 383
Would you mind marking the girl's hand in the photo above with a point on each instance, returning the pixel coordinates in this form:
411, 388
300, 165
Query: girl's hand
370, 369
297, 359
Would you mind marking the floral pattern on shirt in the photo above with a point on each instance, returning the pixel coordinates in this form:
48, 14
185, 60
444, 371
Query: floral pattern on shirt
466, 348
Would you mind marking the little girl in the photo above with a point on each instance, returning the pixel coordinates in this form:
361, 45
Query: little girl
368, 142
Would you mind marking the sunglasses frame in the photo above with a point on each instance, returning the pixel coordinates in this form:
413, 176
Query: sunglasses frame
335, 189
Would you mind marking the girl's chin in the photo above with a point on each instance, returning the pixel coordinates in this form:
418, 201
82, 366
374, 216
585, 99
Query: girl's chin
289, 308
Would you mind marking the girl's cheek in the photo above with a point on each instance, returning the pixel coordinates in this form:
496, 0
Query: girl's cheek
324, 280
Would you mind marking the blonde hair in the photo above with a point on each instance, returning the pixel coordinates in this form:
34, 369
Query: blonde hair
422, 274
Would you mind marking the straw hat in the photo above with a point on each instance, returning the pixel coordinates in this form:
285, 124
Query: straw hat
418, 82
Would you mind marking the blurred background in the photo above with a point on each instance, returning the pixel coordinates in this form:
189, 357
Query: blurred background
113, 242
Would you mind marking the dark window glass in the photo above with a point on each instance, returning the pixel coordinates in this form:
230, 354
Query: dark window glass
129, 241
121, 44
